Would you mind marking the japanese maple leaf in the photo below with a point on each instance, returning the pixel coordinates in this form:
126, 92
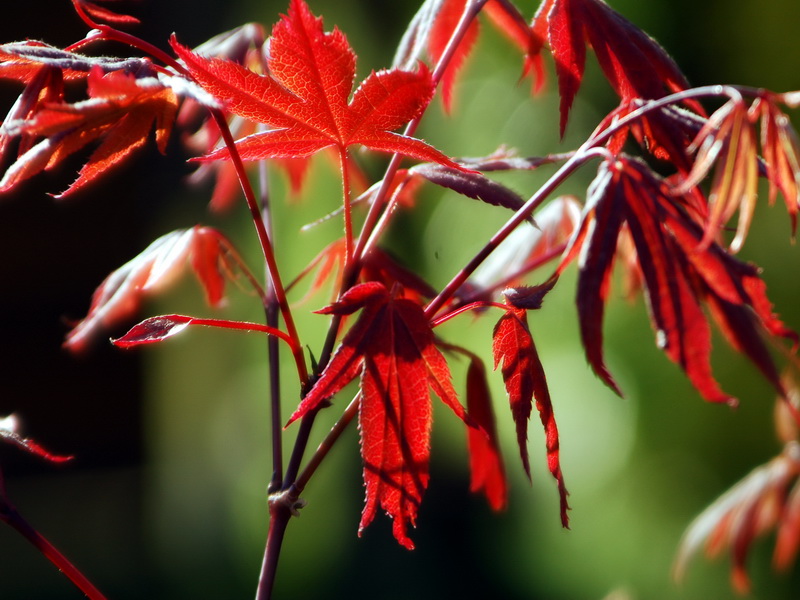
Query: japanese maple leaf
391, 346
524, 377
121, 111
304, 96
678, 274
210, 255
633, 62
487, 473
434, 24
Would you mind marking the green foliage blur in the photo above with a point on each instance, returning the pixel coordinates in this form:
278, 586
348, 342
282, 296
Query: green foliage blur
185, 517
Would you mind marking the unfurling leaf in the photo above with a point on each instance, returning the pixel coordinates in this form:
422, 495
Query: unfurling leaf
304, 96
157, 329
523, 374
210, 254
391, 346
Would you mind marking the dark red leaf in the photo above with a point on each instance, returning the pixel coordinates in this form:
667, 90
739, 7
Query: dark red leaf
634, 64
678, 273
523, 374
485, 461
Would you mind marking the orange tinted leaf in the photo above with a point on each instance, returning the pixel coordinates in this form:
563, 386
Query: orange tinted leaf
120, 112
210, 255
765, 499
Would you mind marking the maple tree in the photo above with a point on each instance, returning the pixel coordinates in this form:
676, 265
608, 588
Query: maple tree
248, 99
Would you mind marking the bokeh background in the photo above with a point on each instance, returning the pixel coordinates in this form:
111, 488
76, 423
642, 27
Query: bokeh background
166, 496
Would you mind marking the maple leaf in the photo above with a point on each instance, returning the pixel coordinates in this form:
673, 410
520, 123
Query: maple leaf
121, 110
391, 346
729, 141
435, 22
677, 272
767, 498
485, 461
210, 254
304, 97
516, 355
635, 65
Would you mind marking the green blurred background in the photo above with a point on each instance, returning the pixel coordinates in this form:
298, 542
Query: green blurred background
166, 498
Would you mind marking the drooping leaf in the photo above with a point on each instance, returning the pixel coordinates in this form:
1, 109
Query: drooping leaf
487, 473
304, 96
516, 355
634, 64
767, 498
210, 255
678, 274
121, 111
392, 346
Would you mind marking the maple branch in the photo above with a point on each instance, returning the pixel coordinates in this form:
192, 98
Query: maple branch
583, 154
470, 12
265, 242
105, 32
271, 314
11, 516
325, 446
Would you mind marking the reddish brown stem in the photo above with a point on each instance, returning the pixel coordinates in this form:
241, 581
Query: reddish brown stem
10, 516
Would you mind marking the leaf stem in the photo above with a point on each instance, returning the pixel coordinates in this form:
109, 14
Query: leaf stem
470, 12
326, 444
348, 216
12, 517
586, 152
266, 245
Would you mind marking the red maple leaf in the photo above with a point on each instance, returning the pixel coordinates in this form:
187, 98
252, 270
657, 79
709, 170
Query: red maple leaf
210, 255
485, 461
391, 346
523, 374
678, 273
120, 111
304, 97
633, 62
434, 24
